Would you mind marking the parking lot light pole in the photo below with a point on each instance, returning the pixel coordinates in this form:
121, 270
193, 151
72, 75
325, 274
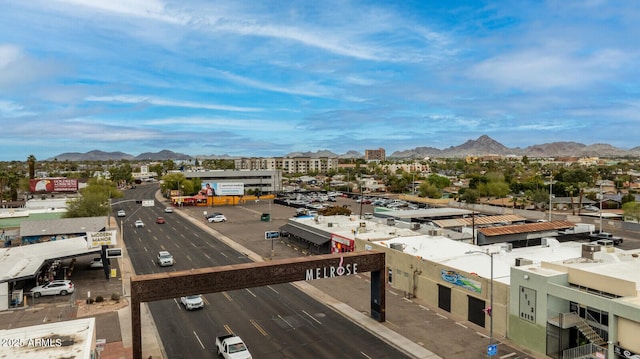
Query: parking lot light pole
490, 309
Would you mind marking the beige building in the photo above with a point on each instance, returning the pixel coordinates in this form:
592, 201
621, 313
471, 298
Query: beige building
375, 155
550, 299
288, 165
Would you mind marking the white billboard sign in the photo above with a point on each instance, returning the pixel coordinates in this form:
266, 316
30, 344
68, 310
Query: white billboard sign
223, 189
98, 239
147, 203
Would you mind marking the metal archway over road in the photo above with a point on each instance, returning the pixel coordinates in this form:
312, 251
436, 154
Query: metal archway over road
169, 285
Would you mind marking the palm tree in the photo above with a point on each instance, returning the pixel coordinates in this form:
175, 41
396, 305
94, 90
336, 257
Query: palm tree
31, 161
570, 189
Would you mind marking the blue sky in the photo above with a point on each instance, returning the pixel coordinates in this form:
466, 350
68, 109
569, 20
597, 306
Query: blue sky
266, 78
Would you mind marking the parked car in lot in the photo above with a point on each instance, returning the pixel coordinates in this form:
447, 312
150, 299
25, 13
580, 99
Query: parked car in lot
56, 287
192, 302
121, 213
165, 259
96, 263
591, 208
218, 217
160, 220
139, 224
168, 210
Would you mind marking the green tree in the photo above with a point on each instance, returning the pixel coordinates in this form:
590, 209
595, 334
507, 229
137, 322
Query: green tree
31, 162
439, 181
93, 200
121, 174
632, 210
469, 195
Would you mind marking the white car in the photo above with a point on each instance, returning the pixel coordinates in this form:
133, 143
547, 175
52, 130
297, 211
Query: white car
139, 224
96, 263
168, 210
56, 287
217, 218
591, 208
121, 213
165, 259
192, 302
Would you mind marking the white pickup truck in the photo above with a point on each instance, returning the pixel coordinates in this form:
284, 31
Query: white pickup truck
231, 346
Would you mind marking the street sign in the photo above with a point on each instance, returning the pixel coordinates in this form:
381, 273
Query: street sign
147, 203
114, 252
271, 235
492, 349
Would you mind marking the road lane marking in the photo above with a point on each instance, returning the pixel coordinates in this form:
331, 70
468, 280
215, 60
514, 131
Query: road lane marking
508, 355
312, 317
270, 287
289, 324
258, 327
199, 341
365, 355
177, 304
227, 296
250, 292
206, 255
462, 325
228, 329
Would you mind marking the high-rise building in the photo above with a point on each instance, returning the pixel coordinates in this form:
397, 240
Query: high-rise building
375, 155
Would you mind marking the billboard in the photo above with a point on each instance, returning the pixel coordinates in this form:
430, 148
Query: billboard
59, 184
223, 189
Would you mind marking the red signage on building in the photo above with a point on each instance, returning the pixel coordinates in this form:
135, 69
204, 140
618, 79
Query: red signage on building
59, 184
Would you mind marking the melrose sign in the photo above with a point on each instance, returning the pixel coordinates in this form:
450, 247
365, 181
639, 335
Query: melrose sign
331, 271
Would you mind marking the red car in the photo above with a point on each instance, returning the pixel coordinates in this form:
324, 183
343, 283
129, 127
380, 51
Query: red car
160, 220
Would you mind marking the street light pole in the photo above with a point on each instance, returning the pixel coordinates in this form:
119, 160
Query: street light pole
489, 310
550, 194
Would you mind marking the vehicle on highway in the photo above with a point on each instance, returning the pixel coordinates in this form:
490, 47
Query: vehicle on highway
121, 213
139, 223
165, 259
96, 263
56, 287
192, 302
231, 346
219, 217
160, 220
168, 210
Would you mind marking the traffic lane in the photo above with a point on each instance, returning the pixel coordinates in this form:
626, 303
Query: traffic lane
189, 333
291, 324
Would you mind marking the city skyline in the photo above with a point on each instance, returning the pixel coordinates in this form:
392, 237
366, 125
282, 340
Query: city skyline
271, 78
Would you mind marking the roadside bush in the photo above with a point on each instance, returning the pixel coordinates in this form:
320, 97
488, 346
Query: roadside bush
115, 296
99, 299
89, 300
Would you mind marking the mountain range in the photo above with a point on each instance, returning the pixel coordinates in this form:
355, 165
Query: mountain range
484, 145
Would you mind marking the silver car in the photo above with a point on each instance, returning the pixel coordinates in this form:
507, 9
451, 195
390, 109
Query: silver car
165, 259
56, 287
192, 302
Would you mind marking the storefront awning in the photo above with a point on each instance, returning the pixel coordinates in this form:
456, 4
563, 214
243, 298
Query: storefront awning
306, 235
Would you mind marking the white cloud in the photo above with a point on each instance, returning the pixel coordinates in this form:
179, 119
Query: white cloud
135, 99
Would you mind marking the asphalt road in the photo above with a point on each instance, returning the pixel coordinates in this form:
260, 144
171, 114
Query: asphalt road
276, 321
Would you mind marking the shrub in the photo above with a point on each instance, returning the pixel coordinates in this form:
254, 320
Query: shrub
89, 300
99, 299
115, 296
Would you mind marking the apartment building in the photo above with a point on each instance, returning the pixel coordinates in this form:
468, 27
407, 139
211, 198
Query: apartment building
288, 164
375, 155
